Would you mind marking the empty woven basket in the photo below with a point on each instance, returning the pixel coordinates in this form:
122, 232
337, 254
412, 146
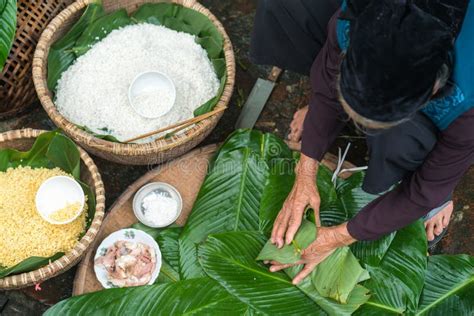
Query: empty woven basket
23, 140
134, 154
17, 92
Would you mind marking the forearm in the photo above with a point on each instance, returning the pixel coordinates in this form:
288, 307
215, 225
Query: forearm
307, 167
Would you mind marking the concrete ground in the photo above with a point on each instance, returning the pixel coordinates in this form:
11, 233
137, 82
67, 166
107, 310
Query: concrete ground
290, 94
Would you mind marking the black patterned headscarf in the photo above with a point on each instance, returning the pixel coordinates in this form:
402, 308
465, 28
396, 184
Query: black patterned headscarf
396, 51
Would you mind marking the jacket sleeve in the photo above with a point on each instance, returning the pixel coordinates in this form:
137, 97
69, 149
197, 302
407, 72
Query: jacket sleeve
326, 117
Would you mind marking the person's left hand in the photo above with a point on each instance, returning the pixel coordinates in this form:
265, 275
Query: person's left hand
328, 240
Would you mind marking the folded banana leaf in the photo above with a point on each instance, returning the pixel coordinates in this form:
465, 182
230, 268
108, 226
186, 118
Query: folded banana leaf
336, 277
50, 150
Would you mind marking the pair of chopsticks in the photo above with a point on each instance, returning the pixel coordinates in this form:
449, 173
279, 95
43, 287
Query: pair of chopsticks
178, 126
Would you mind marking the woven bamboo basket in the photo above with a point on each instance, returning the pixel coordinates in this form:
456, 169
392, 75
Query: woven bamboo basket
17, 93
133, 154
23, 140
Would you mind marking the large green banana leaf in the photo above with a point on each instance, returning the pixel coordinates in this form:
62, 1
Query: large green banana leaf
50, 150
7, 28
189, 297
229, 200
277, 187
229, 258
449, 286
397, 281
268, 146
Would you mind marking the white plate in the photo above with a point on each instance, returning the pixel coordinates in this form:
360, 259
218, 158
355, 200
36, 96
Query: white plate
128, 234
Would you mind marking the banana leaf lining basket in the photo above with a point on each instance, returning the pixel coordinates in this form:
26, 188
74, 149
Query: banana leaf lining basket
23, 140
133, 154
17, 93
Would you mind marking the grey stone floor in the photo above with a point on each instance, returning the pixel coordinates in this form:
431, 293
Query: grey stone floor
290, 94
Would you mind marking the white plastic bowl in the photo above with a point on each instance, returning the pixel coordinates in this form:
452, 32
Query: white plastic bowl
146, 82
57, 192
162, 188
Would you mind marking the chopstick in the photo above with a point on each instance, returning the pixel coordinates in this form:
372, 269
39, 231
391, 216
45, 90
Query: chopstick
178, 126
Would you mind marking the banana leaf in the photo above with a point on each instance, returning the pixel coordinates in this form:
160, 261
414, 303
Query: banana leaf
29, 264
229, 200
7, 28
50, 150
266, 145
396, 283
229, 258
188, 297
61, 54
449, 286
168, 241
277, 187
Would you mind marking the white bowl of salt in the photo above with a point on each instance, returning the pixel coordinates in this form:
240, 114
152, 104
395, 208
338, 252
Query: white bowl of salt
157, 204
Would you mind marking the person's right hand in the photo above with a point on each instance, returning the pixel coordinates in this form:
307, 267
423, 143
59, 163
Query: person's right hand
304, 193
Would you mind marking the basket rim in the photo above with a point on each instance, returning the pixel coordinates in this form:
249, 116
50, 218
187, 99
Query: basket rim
127, 149
69, 259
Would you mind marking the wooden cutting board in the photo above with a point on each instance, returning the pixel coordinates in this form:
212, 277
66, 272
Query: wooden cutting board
186, 174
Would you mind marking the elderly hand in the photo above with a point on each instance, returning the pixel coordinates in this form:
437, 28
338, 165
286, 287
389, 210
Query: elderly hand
304, 193
328, 240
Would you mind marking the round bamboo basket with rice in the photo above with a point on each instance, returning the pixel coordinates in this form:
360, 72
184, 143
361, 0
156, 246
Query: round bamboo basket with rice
17, 93
154, 152
23, 140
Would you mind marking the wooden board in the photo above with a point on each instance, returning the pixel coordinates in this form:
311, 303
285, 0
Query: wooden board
186, 174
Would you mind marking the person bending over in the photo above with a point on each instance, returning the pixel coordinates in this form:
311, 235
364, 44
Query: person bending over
401, 70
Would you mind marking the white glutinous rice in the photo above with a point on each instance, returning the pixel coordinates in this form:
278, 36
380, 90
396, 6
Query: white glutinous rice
159, 210
93, 92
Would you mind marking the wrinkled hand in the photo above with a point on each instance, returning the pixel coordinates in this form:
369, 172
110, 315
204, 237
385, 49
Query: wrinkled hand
328, 240
288, 221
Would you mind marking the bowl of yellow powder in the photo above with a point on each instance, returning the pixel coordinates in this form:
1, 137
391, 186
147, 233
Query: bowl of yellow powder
60, 200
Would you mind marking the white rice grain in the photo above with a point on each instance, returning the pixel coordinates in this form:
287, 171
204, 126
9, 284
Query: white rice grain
93, 92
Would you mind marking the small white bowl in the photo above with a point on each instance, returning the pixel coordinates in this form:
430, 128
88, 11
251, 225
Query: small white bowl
162, 188
57, 192
147, 82
128, 234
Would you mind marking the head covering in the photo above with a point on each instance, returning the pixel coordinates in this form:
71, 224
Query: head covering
396, 51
